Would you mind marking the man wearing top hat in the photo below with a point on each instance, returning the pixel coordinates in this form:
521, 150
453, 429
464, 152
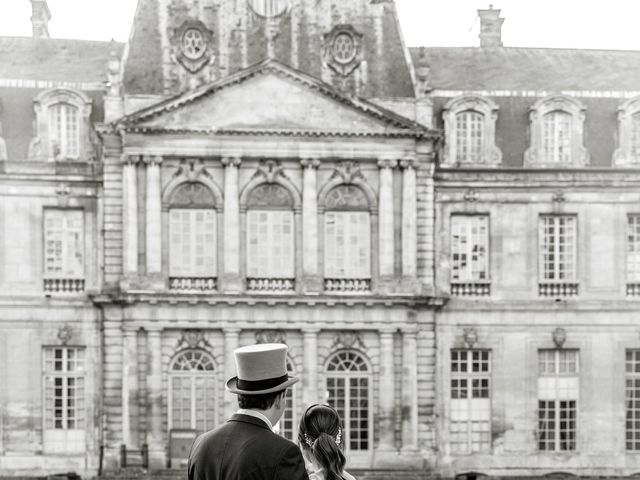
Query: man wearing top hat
245, 448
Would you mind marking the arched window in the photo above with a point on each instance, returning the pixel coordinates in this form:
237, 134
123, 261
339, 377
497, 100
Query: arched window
348, 384
469, 136
470, 131
270, 239
628, 152
192, 238
287, 426
64, 133
556, 133
557, 137
192, 391
63, 128
347, 240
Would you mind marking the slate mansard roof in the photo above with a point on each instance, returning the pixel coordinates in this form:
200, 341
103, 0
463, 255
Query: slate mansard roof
55, 60
540, 69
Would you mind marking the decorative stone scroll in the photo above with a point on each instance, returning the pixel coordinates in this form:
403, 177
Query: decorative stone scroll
348, 339
192, 339
271, 336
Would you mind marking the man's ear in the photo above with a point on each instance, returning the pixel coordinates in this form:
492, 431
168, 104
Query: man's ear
280, 398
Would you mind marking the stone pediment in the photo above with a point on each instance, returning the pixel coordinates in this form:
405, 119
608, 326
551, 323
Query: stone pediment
270, 98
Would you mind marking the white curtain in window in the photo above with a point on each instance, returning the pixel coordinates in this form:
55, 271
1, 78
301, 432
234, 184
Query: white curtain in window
347, 245
469, 248
469, 136
192, 251
64, 244
270, 244
557, 137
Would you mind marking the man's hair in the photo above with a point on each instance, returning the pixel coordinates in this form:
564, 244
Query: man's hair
259, 402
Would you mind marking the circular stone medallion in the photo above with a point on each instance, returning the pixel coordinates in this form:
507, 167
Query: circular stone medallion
269, 8
193, 44
344, 48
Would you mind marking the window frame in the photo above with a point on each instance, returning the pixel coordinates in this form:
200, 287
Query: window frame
64, 282
624, 156
556, 262
534, 156
478, 286
632, 273
632, 444
490, 155
44, 128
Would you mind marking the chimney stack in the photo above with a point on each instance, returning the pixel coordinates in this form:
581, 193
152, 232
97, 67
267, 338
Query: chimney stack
40, 16
490, 27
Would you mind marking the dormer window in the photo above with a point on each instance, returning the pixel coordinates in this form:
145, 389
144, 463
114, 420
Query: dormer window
64, 137
556, 134
470, 125
628, 151
62, 126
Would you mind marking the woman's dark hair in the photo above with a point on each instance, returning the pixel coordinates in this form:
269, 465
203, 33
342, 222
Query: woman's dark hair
320, 432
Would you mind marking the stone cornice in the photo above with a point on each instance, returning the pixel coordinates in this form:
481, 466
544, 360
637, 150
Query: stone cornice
151, 298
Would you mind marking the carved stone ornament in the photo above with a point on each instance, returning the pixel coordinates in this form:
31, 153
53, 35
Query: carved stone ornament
348, 339
470, 336
65, 334
270, 195
470, 196
192, 45
346, 197
343, 50
62, 194
270, 170
192, 339
271, 336
347, 171
559, 336
192, 195
558, 197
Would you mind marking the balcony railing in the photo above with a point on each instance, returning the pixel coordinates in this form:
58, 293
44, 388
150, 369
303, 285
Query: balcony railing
347, 285
271, 285
63, 285
633, 289
471, 289
193, 284
568, 289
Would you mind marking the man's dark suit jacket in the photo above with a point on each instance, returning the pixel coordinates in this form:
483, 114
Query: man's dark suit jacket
244, 448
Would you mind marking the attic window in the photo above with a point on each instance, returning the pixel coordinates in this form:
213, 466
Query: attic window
194, 44
344, 47
628, 152
269, 8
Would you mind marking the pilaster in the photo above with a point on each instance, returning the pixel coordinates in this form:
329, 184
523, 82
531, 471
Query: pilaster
130, 216
386, 452
231, 281
231, 342
386, 248
155, 436
409, 225
312, 281
153, 221
130, 389
310, 369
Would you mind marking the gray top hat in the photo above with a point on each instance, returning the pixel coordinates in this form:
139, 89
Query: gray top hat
261, 369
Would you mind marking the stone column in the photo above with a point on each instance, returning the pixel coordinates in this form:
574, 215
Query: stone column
155, 438
409, 220
231, 341
310, 369
387, 392
385, 224
409, 390
129, 216
231, 242
154, 217
311, 281
130, 389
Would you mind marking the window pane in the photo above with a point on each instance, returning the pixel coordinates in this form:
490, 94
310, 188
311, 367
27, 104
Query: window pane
469, 137
192, 239
270, 244
558, 248
557, 137
469, 248
347, 245
64, 244
63, 385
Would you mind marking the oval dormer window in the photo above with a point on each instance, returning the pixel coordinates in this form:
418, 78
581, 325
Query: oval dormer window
344, 48
194, 44
269, 8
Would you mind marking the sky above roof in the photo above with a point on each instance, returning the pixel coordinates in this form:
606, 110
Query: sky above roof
529, 23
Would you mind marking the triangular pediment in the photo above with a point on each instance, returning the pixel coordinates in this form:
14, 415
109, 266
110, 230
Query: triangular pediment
270, 98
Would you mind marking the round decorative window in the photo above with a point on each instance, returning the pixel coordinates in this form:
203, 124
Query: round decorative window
269, 8
193, 44
344, 47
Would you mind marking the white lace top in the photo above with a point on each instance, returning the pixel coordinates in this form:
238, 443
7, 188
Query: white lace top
315, 472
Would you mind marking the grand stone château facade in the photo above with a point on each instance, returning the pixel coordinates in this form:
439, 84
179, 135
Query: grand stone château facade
447, 239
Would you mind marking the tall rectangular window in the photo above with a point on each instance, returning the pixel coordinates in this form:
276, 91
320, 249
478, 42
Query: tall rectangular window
633, 255
470, 425
347, 245
558, 394
270, 244
558, 255
557, 137
192, 238
63, 250
469, 136
632, 396
64, 398
470, 254
63, 130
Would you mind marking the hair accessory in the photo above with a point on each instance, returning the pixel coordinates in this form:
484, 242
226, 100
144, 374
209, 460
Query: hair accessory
339, 436
308, 441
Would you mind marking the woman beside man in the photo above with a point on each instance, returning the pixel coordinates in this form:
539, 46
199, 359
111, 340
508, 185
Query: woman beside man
245, 448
